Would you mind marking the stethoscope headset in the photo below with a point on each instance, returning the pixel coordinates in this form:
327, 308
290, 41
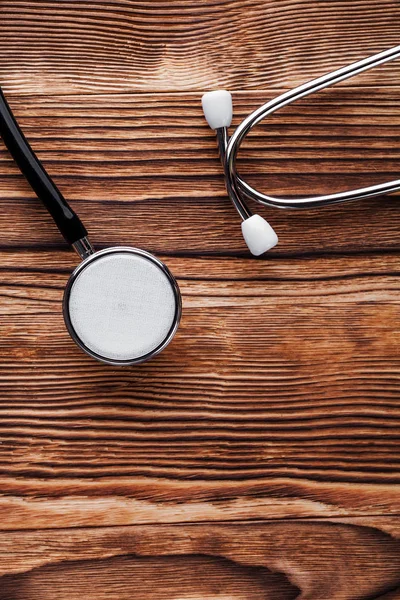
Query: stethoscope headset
217, 106
122, 305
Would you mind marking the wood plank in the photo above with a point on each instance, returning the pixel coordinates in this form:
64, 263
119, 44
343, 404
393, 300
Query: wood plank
123, 45
313, 560
258, 456
241, 416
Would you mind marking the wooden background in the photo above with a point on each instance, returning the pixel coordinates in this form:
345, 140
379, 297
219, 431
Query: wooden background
258, 456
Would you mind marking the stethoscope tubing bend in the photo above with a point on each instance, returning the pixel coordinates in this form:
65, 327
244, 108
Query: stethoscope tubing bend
239, 189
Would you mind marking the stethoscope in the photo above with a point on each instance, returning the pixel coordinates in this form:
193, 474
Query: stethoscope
217, 106
121, 305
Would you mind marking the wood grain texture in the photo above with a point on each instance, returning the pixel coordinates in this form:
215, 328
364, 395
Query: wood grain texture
237, 561
235, 419
258, 455
125, 45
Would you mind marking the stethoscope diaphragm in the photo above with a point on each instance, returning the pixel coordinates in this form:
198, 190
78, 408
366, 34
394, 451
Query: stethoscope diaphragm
122, 305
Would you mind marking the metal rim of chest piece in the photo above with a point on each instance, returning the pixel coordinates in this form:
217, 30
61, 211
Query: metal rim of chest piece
92, 258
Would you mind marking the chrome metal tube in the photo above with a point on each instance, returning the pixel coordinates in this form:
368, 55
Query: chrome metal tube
237, 200
243, 189
83, 247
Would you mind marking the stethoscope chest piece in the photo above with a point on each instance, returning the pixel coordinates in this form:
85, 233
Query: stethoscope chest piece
122, 305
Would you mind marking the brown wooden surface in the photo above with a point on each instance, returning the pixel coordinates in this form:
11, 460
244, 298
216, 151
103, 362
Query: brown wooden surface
258, 456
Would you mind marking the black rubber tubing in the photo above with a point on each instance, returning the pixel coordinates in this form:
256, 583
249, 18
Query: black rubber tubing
67, 221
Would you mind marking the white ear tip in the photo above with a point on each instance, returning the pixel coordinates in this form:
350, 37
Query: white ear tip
259, 235
217, 108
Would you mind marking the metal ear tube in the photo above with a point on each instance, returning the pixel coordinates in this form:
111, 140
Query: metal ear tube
257, 232
121, 305
217, 107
